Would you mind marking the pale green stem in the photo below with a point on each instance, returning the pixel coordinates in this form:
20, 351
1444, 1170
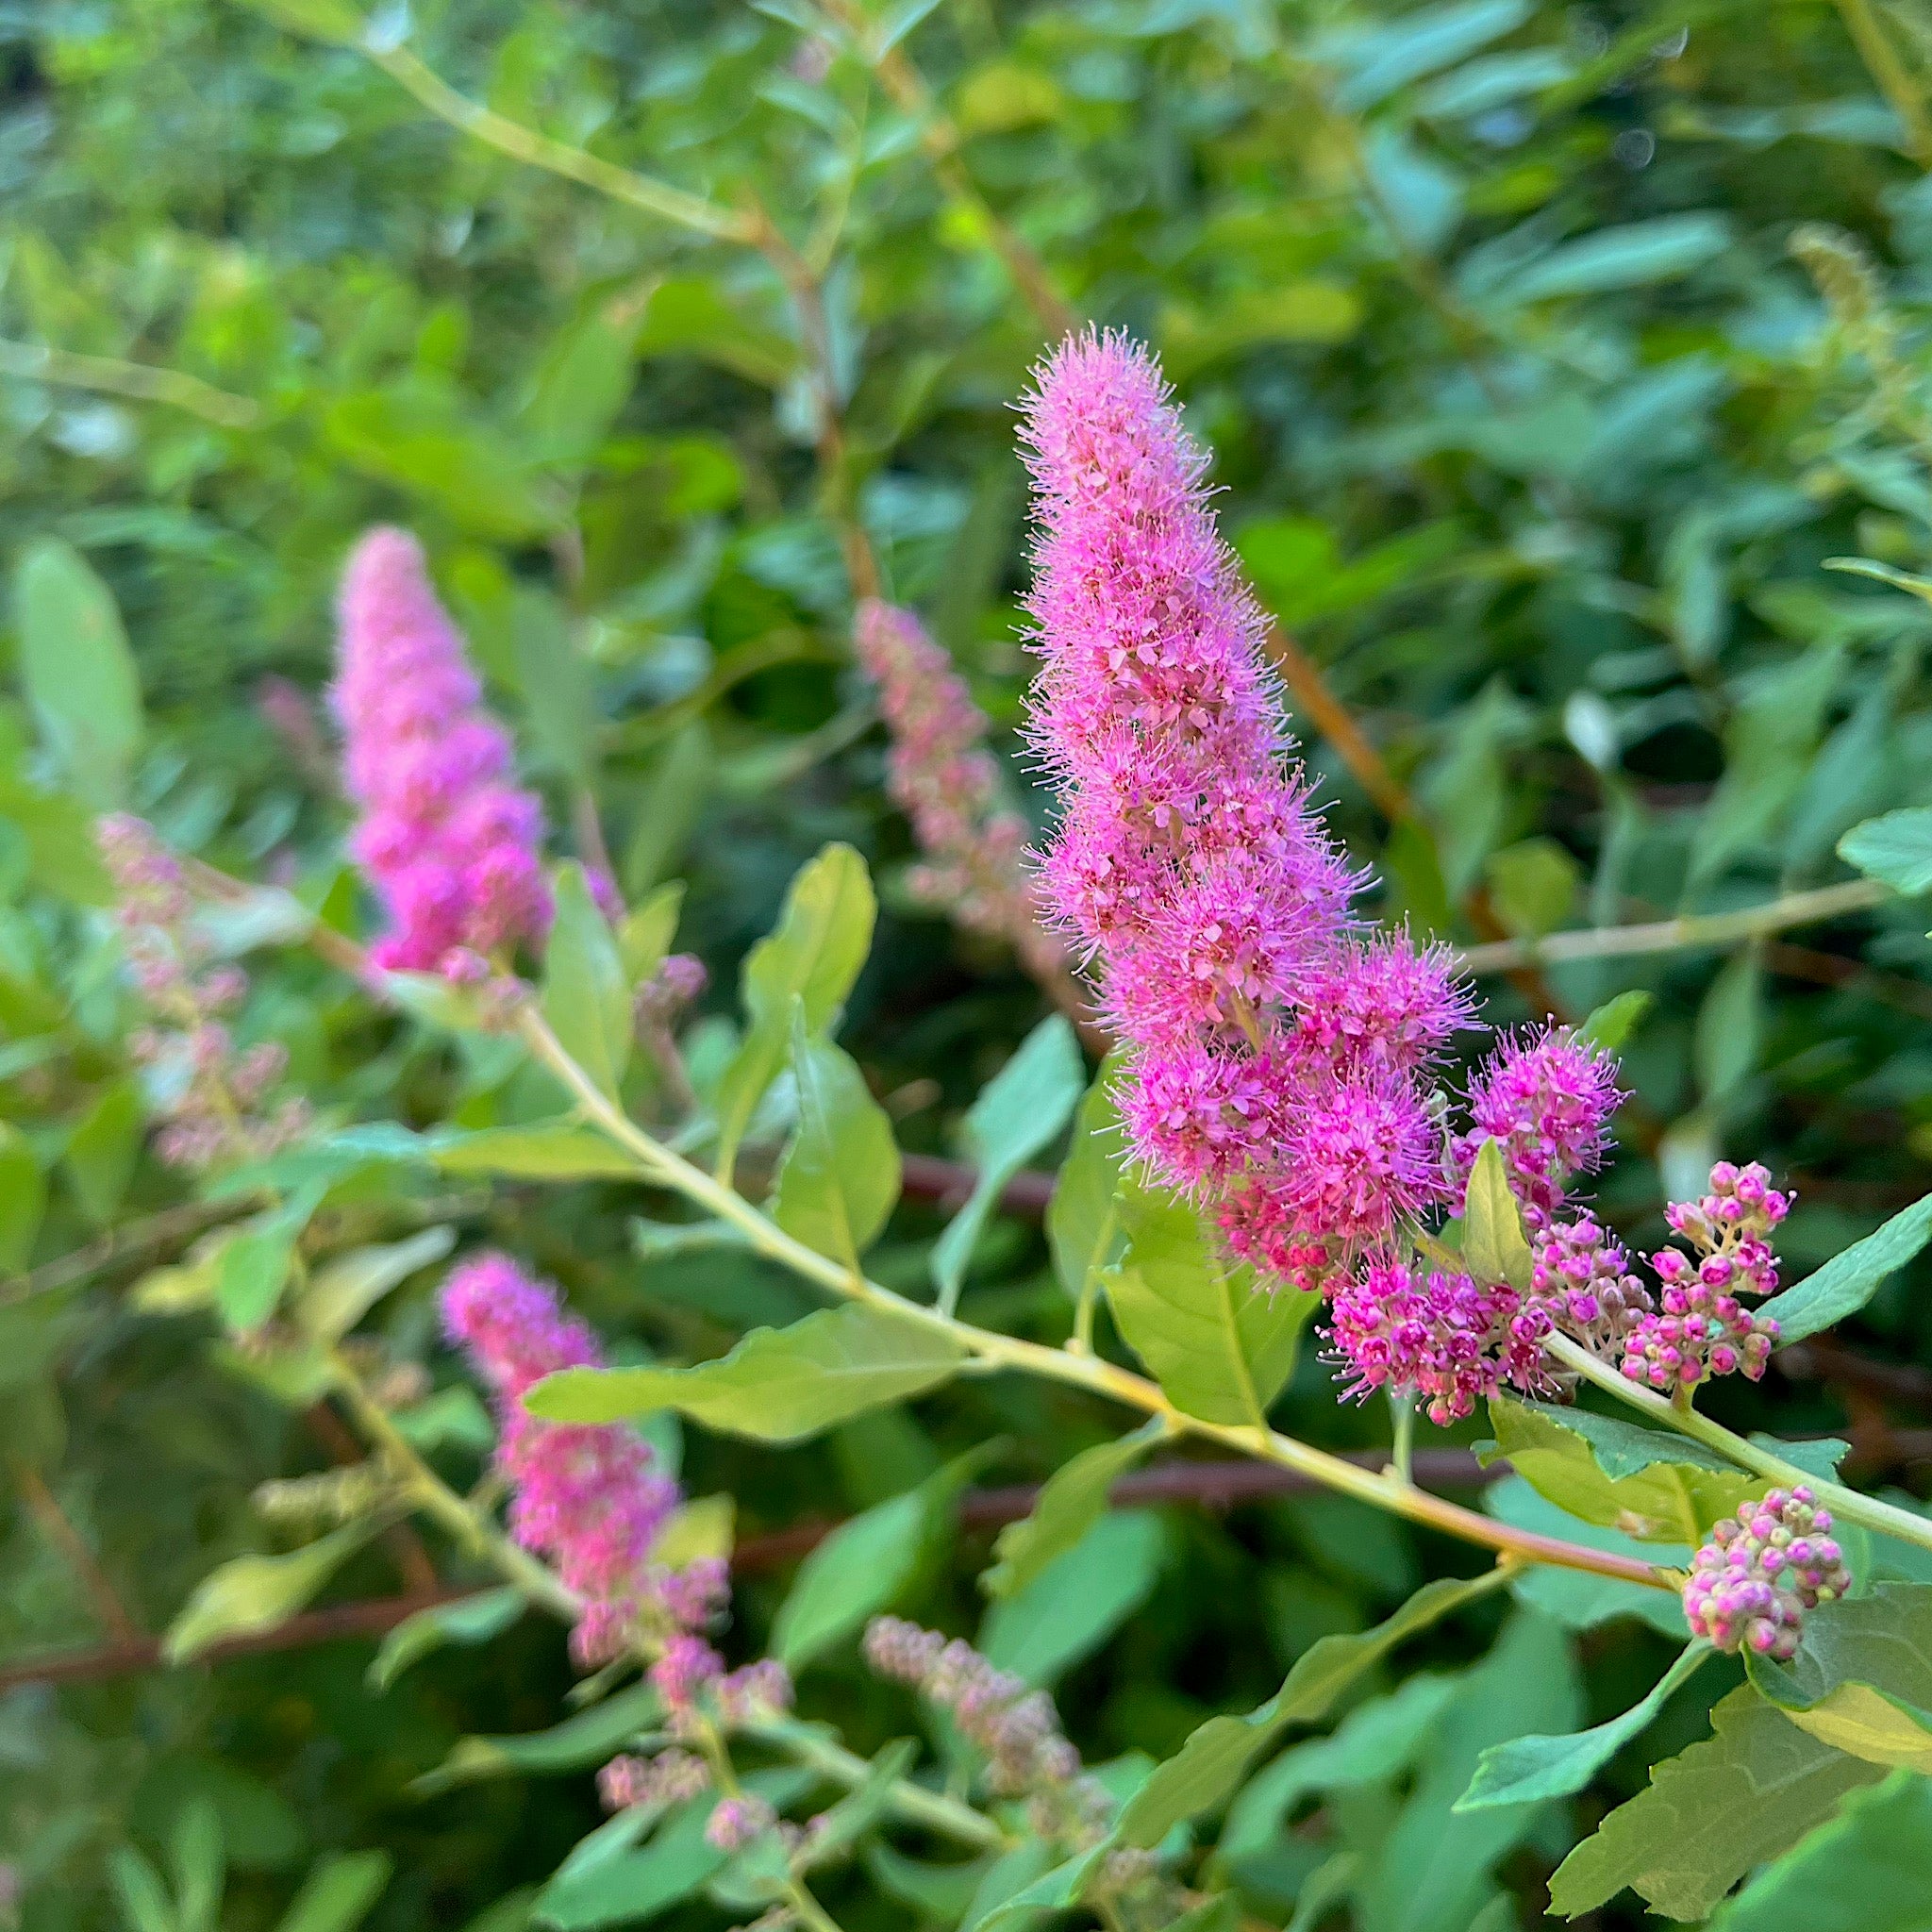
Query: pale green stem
1887, 1518
1710, 929
437, 1500
1385, 1491
1895, 83
1402, 1454
526, 145
910, 1802
140, 381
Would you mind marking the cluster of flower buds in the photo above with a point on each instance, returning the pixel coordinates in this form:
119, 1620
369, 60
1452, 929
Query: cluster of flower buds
1582, 1276
680, 979
1700, 1328
736, 1822
212, 1095
323, 1500
1448, 1337
1014, 1725
1751, 1584
671, 1777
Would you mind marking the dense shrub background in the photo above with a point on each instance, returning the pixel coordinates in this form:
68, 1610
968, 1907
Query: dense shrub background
1530, 428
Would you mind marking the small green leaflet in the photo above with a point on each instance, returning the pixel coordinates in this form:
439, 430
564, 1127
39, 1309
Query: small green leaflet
1610, 1025
813, 955
1744, 1794
1494, 1245
547, 1150
23, 1197
338, 1893
1852, 1278
255, 1262
1083, 1227
1211, 1766
1862, 1680
1018, 1112
1867, 1869
586, 995
468, 1619
1055, 1890
1077, 1601
645, 932
252, 1593
778, 1385
839, 1180
1221, 1348
862, 1566
77, 669
1895, 849
1072, 1502
1672, 1493
339, 1294
1629, 257
1525, 1769
589, 1738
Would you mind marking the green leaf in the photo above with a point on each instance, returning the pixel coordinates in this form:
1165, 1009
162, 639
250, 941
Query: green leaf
1055, 1890
1376, 1741
812, 956
606, 1881
199, 1862
1432, 1873
1666, 1488
255, 1263
1421, 42
339, 1295
1895, 849
102, 1150
589, 1738
1222, 1348
139, 1893
838, 1181
581, 381
337, 1896
862, 1566
1867, 1869
1079, 1600
1017, 1113
1211, 1766
586, 995
77, 669
1745, 1794
1494, 1245
470, 1619
1730, 1027
1523, 1770
1640, 253
645, 932
1072, 1500
23, 1197
778, 1385
1851, 1279
1610, 1025
254, 1593
1083, 1227
549, 1151
336, 23
1862, 1679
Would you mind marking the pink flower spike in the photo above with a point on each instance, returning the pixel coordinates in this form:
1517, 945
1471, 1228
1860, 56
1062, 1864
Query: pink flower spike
450, 844
1546, 1099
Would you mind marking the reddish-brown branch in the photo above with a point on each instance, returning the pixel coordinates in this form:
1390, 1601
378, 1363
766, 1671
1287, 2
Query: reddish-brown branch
61, 1532
1208, 1485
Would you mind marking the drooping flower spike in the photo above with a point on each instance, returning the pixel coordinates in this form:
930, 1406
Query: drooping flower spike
451, 845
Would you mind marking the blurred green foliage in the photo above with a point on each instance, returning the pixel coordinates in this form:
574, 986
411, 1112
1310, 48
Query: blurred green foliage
1506, 324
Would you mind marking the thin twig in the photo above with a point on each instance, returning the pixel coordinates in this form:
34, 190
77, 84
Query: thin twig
1710, 929
61, 1533
139, 1240
557, 157
138, 381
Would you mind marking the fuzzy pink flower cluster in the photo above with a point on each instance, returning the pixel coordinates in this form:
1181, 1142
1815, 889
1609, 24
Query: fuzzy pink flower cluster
1283, 1065
587, 1498
1752, 1583
1450, 1339
1279, 1060
450, 844
942, 777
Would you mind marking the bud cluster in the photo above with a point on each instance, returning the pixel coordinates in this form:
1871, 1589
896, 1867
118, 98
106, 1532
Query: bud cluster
1700, 1328
1582, 1274
210, 1092
670, 1778
1751, 1584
